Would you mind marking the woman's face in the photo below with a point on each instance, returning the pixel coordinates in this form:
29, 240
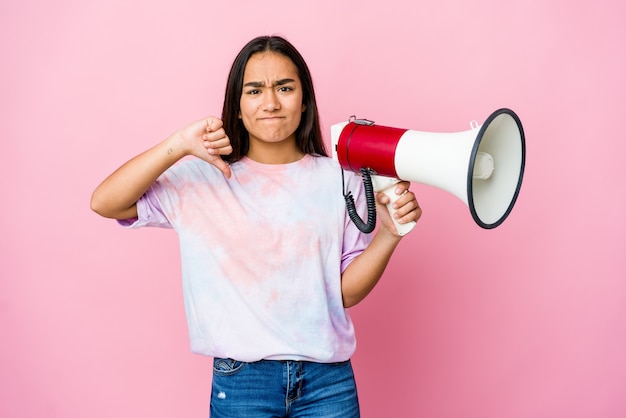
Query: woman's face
271, 101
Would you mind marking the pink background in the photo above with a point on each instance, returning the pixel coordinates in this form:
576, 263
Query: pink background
527, 320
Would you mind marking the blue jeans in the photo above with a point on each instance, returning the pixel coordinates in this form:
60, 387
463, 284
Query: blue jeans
272, 389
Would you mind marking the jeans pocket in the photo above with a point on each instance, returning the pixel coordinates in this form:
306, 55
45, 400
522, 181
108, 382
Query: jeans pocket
227, 366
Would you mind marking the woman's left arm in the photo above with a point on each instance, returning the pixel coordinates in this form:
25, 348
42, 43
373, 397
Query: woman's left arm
362, 274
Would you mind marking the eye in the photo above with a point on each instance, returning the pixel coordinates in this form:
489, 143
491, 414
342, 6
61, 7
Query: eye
253, 91
285, 88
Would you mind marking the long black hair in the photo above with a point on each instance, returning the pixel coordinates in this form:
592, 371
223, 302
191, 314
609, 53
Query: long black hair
308, 135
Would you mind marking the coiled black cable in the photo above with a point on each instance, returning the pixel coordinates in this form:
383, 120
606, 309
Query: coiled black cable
369, 199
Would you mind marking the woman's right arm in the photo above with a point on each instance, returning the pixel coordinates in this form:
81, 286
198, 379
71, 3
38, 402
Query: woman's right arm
116, 197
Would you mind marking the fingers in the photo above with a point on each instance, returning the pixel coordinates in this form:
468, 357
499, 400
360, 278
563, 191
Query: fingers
215, 139
408, 212
400, 189
407, 208
217, 142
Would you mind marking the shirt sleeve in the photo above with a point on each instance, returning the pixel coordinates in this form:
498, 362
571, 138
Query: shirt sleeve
354, 241
149, 213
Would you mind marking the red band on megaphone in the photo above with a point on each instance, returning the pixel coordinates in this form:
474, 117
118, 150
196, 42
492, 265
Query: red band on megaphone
369, 146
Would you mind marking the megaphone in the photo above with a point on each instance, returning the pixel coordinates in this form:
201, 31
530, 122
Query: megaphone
482, 166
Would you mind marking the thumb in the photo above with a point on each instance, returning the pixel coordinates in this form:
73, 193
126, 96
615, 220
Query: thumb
222, 166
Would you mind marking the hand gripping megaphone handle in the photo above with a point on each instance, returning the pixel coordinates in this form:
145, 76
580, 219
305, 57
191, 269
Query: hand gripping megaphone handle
387, 185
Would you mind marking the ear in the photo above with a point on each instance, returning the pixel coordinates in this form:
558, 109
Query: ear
303, 107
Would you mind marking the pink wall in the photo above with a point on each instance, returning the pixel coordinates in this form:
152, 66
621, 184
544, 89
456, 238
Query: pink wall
527, 320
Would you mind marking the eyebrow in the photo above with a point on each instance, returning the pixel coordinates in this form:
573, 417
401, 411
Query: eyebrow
280, 82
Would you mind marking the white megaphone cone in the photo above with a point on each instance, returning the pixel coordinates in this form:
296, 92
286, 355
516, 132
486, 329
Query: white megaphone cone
483, 166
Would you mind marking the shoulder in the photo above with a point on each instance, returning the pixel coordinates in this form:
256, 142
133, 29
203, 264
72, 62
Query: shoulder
333, 167
322, 162
327, 171
187, 172
190, 168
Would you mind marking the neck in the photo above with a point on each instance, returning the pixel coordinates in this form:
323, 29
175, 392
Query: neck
274, 153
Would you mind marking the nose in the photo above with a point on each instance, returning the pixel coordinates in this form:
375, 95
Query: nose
270, 101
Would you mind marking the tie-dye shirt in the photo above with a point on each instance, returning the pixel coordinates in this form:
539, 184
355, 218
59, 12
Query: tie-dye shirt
262, 255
